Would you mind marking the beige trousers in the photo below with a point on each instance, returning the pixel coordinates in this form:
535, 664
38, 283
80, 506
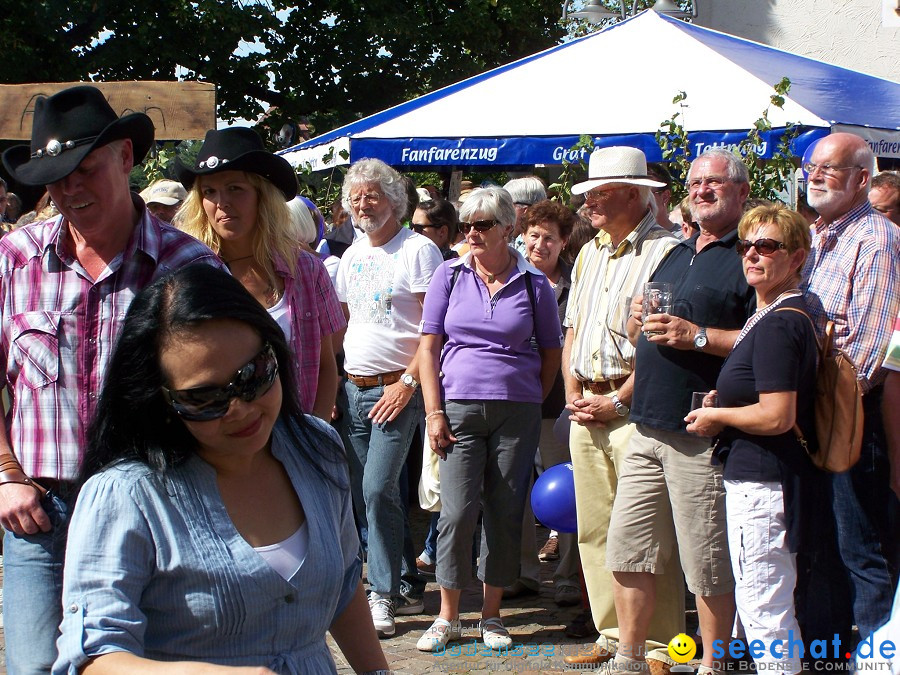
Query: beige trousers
596, 452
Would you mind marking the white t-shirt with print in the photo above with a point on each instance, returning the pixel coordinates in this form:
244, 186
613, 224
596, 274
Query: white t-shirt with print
379, 284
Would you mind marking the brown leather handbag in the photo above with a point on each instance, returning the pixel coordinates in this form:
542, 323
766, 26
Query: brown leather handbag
839, 407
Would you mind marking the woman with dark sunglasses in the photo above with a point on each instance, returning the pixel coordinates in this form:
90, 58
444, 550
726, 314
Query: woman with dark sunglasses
489, 353
766, 394
214, 529
236, 205
436, 219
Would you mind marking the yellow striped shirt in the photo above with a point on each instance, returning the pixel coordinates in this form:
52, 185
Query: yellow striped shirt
603, 282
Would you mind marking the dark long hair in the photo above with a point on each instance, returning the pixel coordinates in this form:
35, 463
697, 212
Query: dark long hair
134, 422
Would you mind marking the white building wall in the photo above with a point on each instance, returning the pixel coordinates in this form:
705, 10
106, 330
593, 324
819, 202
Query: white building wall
855, 34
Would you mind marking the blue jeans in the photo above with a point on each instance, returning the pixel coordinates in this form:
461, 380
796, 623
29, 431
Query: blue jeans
431, 536
32, 591
382, 451
867, 515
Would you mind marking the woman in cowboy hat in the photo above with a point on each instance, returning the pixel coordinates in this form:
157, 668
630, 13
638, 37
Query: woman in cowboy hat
237, 206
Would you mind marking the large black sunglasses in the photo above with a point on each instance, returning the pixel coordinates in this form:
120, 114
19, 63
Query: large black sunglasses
478, 226
763, 246
210, 403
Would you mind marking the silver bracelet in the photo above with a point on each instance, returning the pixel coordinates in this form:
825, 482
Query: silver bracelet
433, 413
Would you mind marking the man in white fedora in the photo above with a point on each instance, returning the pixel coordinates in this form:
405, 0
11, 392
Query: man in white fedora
598, 362
670, 502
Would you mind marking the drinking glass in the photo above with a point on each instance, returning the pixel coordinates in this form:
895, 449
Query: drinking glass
657, 300
703, 399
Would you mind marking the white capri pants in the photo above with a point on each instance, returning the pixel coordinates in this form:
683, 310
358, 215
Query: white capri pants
765, 571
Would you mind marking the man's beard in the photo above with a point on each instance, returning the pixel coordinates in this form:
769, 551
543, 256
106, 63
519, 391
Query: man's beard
368, 225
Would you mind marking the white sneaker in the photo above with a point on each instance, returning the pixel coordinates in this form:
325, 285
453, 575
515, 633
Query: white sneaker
494, 633
406, 606
435, 639
382, 614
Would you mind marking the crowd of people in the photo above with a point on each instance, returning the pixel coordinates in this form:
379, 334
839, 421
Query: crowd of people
212, 398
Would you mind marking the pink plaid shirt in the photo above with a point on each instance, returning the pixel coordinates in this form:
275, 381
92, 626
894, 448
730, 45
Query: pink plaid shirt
59, 328
852, 277
315, 313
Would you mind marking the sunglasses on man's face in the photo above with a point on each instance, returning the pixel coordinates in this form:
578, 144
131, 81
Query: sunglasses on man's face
209, 403
478, 226
763, 246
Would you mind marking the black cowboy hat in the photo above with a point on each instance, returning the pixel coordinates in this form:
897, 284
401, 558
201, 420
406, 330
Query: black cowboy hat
69, 125
238, 149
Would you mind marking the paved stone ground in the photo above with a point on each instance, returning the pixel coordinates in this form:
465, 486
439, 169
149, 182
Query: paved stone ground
535, 623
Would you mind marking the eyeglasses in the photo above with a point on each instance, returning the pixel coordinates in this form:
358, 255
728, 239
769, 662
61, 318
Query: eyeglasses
420, 228
828, 170
712, 182
371, 197
478, 226
209, 403
597, 195
763, 246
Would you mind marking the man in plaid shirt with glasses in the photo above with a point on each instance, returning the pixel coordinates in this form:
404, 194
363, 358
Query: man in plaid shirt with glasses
65, 286
852, 277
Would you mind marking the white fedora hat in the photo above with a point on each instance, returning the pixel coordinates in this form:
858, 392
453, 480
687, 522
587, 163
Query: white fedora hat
616, 164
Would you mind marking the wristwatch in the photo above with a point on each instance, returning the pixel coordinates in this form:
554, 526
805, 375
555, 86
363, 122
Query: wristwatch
700, 339
622, 410
409, 381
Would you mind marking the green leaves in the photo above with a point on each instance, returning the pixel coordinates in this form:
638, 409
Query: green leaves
769, 178
333, 61
572, 170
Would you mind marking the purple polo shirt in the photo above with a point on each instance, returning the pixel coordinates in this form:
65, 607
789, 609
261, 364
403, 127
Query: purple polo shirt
488, 353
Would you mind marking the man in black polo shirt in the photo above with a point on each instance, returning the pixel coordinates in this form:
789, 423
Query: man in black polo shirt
669, 492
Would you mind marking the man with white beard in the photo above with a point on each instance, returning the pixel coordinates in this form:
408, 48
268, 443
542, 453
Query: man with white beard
852, 277
381, 282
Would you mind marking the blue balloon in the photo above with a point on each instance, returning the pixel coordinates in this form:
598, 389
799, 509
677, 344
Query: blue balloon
553, 498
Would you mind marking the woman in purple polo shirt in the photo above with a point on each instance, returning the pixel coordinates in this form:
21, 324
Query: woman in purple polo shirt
490, 349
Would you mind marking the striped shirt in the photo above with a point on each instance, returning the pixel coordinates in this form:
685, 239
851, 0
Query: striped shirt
59, 329
604, 280
314, 314
852, 277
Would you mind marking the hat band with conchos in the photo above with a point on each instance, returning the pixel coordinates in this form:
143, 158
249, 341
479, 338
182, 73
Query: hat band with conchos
54, 147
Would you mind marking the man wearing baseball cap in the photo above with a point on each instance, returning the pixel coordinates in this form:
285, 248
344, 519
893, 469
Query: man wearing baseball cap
65, 286
163, 199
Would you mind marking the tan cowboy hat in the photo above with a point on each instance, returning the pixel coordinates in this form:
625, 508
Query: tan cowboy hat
616, 164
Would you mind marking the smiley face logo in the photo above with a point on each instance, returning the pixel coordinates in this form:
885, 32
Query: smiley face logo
682, 648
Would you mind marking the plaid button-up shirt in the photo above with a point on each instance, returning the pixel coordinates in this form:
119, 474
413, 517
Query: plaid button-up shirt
315, 314
852, 277
59, 328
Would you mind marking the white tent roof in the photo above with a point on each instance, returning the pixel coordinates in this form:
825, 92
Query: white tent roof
617, 85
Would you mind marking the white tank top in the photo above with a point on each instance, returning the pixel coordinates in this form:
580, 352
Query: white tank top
287, 556
282, 315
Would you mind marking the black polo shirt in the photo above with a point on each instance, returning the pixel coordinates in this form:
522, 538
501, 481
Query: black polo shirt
709, 290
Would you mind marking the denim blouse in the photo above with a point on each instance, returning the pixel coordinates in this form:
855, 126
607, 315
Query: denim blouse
155, 567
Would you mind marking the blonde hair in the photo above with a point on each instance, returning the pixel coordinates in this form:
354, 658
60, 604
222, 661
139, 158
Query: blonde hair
275, 234
794, 227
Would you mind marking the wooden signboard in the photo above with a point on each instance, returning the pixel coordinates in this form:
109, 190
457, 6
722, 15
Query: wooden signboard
179, 110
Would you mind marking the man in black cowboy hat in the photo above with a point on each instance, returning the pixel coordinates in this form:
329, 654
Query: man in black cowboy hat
65, 286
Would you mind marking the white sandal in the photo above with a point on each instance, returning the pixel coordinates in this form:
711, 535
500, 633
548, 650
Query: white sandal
494, 633
441, 632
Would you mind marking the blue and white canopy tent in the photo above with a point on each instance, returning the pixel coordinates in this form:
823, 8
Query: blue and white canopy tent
617, 85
